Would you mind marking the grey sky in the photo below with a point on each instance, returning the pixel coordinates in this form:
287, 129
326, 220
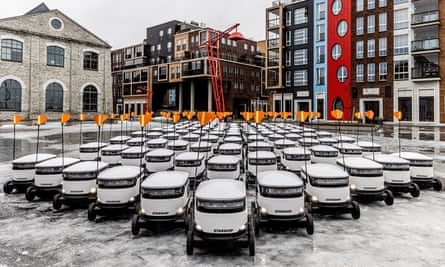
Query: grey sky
123, 23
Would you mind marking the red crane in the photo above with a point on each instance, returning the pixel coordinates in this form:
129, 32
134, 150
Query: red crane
214, 61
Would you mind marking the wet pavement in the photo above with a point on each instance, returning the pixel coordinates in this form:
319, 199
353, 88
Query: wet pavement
409, 233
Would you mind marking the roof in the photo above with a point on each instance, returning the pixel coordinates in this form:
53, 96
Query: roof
86, 166
161, 152
359, 163
325, 170
221, 189
412, 156
38, 9
166, 179
223, 159
33, 158
386, 159
277, 178
57, 162
120, 172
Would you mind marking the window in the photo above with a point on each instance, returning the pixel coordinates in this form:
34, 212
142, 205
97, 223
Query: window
360, 49
300, 16
371, 48
359, 5
321, 11
382, 22
56, 24
400, 1
288, 38
54, 97
401, 19
169, 31
138, 51
289, 18
405, 106
55, 56
359, 26
371, 4
382, 3
382, 47
426, 108
401, 44
383, 71
401, 70
336, 51
320, 76
371, 23
300, 78
12, 50
337, 104
371, 72
288, 58
90, 61
158, 47
288, 78
342, 28
300, 36
10, 95
89, 99
320, 54
337, 7
342, 74
169, 47
320, 30
360, 73
300, 57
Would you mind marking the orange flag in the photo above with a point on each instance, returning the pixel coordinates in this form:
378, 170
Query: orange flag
259, 116
64, 118
41, 119
100, 119
358, 115
144, 119
337, 114
16, 119
398, 115
301, 115
113, 115
318, 114
82, 116
204, 117
176, 117
369, 114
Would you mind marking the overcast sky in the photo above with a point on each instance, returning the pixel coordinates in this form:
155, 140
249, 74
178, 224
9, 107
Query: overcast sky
123, 23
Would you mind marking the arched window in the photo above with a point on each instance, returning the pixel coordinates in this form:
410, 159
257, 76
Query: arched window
90, 60
12, 50
338, 104
55, 56
90, 99
10, 95
54, 97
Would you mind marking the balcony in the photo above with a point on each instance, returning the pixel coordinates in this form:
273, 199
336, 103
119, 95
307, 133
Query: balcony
425, 45
426, 72
425, 17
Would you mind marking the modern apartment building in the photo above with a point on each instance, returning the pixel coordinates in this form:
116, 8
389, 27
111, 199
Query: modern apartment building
50, 64
170, 70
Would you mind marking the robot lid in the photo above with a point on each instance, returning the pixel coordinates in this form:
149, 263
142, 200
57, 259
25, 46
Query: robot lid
308, 140
93, 145
293, 136
223, 159
86, 167
323, 148
157, 141
114, 147
190, 156
327, 140
388, 159
165, 179
161, 152
285, 142
230, 146
136, 140
413, 156
347, 147
296, 151
359, 163
177, 143
346, 139
120, 138
153, 134
366, 144
33, 158
262, 155
155, 129
201, 144
309, 134
324, 134
260, 144
324, 170
137, 134
233, 139
57, 162
120, 172
275, 178
210, 137
134, 150
221, 190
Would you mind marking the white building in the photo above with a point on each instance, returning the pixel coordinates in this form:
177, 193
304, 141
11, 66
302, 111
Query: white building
50, 64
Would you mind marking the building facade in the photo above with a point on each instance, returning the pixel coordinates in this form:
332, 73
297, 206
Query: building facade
170, 71
50, 64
